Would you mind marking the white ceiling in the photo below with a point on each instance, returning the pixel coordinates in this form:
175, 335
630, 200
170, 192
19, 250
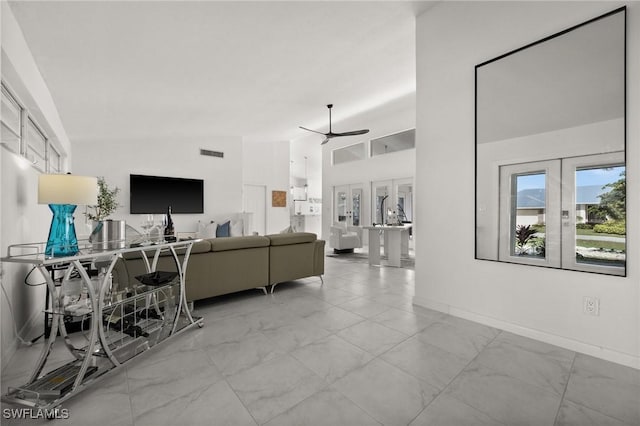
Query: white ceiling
174, 69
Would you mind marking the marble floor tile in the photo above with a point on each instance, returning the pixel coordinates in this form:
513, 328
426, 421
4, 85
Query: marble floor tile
504, 398
462, 341
215, 404
332, 358
304, 305
269, 319
333, 296
273, 387
296, 334
334, 319
232, 305
571, 414
471, 327
359, 289
448, 411
327, 407
364, 307
230, 329
394, 300
372, 337
403, 321
155, 382
251, 350
388, 394
611, 389
426, 362
538, 363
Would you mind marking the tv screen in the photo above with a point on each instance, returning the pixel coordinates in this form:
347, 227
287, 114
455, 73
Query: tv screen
153, 194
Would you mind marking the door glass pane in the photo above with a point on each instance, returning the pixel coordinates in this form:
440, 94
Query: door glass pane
356, 197
601, 216
528, 215
341, 206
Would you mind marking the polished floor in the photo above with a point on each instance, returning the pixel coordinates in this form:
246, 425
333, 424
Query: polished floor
352, 352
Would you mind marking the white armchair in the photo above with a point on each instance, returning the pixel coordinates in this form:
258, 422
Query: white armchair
343, 238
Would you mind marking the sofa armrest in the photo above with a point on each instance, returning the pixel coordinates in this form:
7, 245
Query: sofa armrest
357, 230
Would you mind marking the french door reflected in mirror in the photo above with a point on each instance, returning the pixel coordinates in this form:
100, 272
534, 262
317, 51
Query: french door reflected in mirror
565, 213
348, 202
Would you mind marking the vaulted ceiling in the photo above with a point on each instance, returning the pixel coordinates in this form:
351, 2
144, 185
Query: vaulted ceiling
178, 69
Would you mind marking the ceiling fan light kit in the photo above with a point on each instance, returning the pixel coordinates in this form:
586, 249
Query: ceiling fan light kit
331, 134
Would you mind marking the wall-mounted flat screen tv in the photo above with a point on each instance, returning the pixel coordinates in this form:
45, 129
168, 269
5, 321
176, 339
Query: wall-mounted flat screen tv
153, 194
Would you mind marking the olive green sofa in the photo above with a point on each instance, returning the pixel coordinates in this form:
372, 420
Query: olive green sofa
220, 266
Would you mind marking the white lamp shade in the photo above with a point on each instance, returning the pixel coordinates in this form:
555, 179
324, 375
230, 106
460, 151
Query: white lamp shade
67, 189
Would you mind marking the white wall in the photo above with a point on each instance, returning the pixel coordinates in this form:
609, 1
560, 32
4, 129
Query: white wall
267, 163
545, 304
117, 159
384, 120
22, 220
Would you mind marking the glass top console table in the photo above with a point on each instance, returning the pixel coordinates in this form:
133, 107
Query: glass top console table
123, 322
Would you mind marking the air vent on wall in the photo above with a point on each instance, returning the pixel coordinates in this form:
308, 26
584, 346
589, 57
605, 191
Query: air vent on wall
212, 153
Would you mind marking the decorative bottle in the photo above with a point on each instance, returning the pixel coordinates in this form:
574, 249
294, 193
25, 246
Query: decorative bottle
169, 231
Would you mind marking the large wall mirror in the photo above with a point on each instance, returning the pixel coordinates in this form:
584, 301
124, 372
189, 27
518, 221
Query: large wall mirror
550, 151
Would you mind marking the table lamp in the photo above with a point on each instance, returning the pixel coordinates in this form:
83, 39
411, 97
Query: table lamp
62, 193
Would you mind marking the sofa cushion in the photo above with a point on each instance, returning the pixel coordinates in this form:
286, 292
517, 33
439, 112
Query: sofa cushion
236, 243
293, 238
201, 247
236, 229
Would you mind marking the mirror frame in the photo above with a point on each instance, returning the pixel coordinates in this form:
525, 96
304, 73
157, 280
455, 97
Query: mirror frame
623, 10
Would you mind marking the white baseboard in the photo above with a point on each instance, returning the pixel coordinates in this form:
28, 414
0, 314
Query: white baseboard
564, 342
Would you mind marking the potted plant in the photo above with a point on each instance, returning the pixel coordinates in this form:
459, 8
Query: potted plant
107, 233
107, 202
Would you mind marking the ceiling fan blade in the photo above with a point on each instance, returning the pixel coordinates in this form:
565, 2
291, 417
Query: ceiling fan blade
309, 130
352, 133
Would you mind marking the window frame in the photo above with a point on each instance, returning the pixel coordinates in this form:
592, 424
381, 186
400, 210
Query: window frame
333, 153
21, 117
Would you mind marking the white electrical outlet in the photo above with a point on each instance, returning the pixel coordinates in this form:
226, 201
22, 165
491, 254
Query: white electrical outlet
591, 306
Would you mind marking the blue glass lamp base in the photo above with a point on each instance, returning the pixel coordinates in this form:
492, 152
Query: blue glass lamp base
62, 234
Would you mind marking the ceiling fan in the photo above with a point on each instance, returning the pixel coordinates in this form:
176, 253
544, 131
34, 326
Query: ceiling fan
332, 134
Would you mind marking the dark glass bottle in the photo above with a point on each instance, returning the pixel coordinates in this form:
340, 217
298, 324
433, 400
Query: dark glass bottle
169, 231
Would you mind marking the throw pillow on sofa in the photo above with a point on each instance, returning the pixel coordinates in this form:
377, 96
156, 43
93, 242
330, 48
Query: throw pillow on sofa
224, 230
206, 230
237, 228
